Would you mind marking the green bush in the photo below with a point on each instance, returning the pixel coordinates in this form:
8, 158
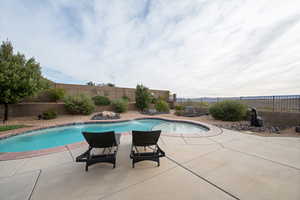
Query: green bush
195, 104
120, 105
179, 107
56, 94
179, 112
153, 100
142, 97
247, 116
202, 105
10, 127
50, 114
79, 104
228, 110
162, 106
125, 98
101, 100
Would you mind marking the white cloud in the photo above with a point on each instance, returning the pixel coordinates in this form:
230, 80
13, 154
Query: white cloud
193, 48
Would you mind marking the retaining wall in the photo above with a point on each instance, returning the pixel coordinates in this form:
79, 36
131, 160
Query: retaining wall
280, 119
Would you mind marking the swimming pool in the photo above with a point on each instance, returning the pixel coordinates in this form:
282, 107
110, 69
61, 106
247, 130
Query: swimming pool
60, 136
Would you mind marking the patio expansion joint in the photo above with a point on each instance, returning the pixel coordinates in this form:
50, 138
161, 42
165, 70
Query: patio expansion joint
219, 143
16, 174
134, 184
183, 138
35, 183
253, 155
256, 156
18, 168
204, 179
70, 152
195, 158
269, 142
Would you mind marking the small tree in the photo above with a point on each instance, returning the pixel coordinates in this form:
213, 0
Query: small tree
228, 110
79, 104
120, 105
142, 97
56, 94
19, 78
91, 83
101, 100
162, 106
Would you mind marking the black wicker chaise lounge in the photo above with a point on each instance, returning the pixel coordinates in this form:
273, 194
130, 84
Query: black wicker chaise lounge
108, 141
146, 139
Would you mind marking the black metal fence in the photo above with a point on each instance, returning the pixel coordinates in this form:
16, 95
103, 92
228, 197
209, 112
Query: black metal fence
279, 103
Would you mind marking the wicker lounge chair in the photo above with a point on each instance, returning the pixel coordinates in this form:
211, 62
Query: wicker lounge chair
108, 141
148, 140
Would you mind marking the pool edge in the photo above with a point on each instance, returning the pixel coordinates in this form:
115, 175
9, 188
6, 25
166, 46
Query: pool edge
29, 154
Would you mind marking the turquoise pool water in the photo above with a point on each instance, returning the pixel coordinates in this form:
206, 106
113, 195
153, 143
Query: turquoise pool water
59, 136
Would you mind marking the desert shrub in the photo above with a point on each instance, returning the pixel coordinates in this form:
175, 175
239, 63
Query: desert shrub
50, 114
162, 106
125, 98
228, 110
101, 100
120, 105
202, 105
79, 104
56, 94
142, 97
179, 112
153, 100
195, 104
247, 116
179, 107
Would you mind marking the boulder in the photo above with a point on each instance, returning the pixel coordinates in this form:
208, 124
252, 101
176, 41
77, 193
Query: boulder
106, 115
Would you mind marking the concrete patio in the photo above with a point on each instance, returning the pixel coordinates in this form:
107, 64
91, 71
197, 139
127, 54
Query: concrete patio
228, 166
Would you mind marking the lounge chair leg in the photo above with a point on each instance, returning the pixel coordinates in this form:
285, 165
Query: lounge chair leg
86, 167
158, 163
132, 164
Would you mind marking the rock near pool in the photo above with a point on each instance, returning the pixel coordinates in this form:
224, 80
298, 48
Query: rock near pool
106, 115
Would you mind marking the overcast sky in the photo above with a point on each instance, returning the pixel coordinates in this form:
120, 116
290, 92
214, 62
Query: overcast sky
193, 48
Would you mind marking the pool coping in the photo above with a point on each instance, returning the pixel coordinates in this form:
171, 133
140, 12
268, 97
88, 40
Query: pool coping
212, 130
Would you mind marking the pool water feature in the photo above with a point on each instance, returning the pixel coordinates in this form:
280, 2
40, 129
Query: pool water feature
63, 135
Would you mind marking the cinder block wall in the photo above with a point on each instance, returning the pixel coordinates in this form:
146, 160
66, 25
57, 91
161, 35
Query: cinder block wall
110, 92
32, 109
36, 105
36, 108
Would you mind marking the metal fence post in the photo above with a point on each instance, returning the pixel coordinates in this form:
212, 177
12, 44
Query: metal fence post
273, 99
299, 103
